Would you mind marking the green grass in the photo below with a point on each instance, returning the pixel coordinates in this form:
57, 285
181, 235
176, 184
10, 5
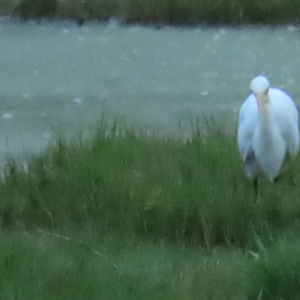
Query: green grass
162, 188
189, 12
276, 274
46, 267
124, 215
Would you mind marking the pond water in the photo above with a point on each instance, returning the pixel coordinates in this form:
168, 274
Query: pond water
58, 76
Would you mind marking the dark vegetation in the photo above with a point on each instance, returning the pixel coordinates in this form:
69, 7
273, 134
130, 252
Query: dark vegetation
175, 12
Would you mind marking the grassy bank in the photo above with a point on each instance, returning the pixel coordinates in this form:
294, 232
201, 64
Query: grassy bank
125, 215
163, 189
189, 12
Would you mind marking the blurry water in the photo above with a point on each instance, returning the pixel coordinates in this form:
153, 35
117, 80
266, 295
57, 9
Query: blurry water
59, 76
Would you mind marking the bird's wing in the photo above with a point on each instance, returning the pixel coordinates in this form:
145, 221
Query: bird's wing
288, 117
291, 132
248, 120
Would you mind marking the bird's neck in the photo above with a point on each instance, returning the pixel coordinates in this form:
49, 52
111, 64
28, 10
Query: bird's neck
262, 103
265, 121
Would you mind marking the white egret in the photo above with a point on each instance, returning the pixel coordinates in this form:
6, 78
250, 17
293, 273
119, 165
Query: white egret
268, 131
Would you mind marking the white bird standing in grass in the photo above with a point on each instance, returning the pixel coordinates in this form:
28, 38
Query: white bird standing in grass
268, 131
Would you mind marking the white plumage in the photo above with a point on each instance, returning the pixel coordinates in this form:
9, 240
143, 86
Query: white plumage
268, 130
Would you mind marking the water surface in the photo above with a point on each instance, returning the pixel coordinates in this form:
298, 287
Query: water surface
59, 76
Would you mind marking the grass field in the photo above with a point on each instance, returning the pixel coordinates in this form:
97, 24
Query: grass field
159, 11
124, 215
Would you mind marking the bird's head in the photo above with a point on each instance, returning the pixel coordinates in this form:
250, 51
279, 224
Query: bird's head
260, 88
